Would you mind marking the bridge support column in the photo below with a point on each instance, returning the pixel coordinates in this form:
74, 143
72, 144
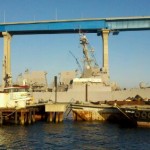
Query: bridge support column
105, 35
6, 78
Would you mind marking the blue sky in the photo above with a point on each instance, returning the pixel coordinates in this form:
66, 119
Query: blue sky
129, 52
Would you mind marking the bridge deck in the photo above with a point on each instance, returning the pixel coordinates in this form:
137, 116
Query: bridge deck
74, 26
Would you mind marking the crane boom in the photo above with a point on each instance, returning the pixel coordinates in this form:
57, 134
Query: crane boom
80, 68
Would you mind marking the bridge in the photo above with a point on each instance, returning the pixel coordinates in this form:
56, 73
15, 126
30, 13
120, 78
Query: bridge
101, 26
73, 26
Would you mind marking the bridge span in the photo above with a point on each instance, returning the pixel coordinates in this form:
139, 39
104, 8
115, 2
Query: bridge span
73, 26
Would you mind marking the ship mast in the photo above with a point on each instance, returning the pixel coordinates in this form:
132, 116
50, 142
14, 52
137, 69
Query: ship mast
91, 67
84, 43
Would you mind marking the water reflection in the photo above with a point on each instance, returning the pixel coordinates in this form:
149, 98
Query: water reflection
73, 135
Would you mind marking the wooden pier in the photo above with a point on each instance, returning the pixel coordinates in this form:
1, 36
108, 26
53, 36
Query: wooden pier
17, 116
53, 112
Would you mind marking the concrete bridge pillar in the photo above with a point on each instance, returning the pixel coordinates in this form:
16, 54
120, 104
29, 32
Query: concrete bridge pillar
7, 79
105, 35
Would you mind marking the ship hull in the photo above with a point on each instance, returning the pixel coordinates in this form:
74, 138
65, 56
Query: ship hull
92, 95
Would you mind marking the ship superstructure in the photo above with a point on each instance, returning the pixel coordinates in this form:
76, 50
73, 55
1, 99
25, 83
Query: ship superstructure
92, 74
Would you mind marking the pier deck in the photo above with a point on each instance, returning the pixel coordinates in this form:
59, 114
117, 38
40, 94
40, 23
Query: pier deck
50, 112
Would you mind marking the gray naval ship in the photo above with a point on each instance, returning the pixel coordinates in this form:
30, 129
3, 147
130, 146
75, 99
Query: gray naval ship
92, 85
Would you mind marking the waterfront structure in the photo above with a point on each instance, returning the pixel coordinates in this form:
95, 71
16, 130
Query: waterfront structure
94, 84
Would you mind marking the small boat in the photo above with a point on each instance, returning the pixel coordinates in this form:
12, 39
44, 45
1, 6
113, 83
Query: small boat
15, 97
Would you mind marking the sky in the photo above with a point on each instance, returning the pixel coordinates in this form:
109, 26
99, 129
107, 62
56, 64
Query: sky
129, 52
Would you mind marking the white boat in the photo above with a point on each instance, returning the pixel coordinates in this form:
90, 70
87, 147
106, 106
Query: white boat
15, 97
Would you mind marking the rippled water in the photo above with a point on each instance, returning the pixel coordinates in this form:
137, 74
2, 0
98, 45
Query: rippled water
71, 135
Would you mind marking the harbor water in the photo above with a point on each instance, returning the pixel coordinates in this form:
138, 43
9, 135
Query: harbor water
70, 135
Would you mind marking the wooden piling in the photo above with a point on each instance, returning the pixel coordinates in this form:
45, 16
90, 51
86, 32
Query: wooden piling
50, 117
1, 117
22, 119
16, 117
25, 117
33, 116
29, 116
60, 116
56, 117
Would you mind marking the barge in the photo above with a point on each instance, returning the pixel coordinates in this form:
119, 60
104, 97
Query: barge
129, 113
137, 116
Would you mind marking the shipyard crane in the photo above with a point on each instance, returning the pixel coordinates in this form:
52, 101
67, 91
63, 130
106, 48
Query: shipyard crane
80, 68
